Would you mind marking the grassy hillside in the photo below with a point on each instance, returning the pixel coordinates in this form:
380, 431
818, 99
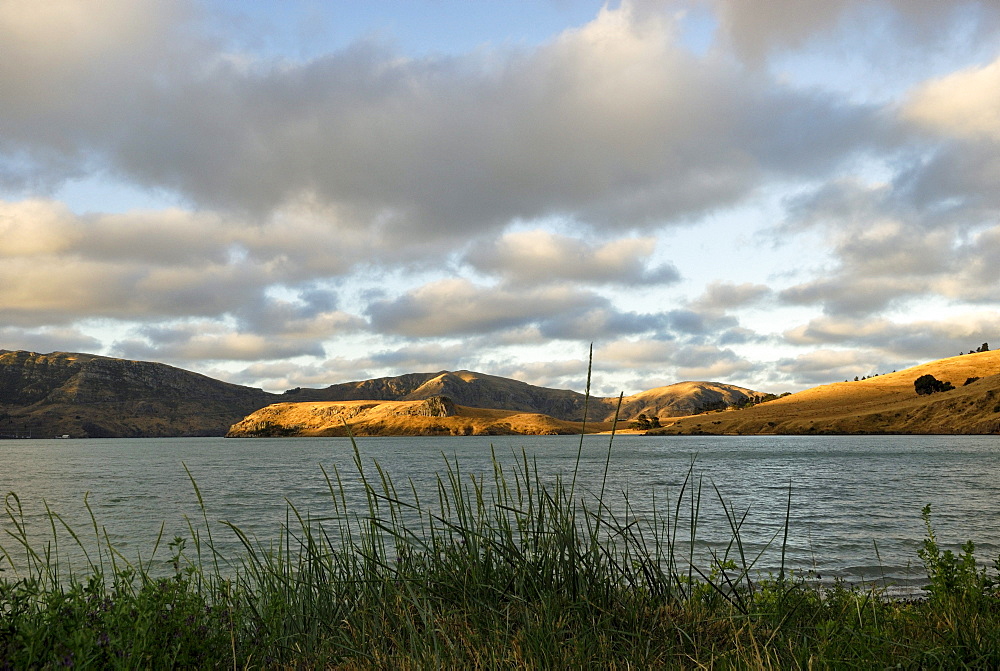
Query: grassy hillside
882, 404
429, 417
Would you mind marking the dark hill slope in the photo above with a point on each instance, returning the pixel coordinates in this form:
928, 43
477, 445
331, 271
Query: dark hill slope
84, 395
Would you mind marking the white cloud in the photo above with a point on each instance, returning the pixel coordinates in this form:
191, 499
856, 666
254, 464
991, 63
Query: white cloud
963, 104
530, 257
457, 307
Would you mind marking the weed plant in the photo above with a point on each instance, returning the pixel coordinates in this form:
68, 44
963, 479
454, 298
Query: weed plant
507, 571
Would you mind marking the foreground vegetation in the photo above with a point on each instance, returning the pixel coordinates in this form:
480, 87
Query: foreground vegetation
508, 571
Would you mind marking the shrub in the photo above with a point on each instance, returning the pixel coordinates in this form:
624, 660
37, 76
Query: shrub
928, 384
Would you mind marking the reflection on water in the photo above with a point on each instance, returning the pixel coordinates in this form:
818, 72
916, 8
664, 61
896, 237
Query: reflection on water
855, 500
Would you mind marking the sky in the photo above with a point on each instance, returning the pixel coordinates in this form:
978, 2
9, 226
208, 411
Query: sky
775, 194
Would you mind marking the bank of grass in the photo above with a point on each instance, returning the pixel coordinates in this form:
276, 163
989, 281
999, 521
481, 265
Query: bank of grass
504, 572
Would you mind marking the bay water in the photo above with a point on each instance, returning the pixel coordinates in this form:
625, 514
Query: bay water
854, 514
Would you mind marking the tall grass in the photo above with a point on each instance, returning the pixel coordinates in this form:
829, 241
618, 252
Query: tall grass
507, 569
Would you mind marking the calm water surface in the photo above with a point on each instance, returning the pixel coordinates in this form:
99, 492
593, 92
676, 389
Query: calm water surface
855, 500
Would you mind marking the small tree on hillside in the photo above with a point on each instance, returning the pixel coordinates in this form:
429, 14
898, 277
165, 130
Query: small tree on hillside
642, 422
928, 384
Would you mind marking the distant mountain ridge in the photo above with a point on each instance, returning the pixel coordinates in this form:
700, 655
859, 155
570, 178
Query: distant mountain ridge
87, 395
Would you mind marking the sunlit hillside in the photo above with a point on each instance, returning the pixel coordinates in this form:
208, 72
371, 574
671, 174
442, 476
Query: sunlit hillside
881, 404
428, 417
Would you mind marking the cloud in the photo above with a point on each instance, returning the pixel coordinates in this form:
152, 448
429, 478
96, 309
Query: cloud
825, 366
710, 363
71, 74
895, 342
963, 104
210, 341
931, 231
642, 354
560, 374
458, 307
759, 28
314, 316
695, 323
48, 340
531, 257
607, 123
599, 323
723, 295
59, 266
342, 202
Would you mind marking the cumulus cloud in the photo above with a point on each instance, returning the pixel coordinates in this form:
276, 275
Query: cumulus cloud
962, 104
458, 307
59, 266
609, 122
44, 340
313, 316
67, 71
642, 354
918, 340
824, 366
695, 323
756, 29
599, 323
890, 243
710, 363
720, 296
531, 257
210, 341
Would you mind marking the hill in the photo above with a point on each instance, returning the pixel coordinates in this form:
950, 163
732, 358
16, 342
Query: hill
433, 416
684, 398
84, 395
882, 404
478, 390
465, 388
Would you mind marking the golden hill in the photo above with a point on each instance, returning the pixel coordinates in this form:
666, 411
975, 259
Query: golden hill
680, 399
882, 404
427, 417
